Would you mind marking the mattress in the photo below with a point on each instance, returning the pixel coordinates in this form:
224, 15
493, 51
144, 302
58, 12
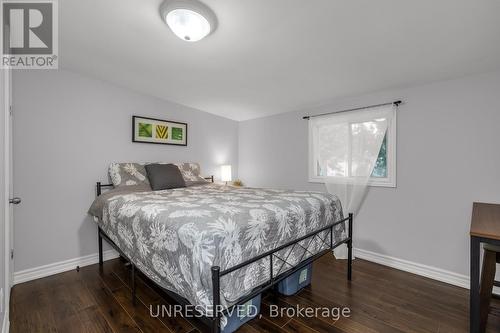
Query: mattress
176, 236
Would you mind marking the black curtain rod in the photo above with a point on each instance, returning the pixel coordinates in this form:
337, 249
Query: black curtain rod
355, 109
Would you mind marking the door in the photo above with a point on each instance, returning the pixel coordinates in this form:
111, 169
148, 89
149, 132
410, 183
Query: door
6, 187
9, 180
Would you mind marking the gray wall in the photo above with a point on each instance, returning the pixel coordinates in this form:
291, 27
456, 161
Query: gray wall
448, 156
67, 129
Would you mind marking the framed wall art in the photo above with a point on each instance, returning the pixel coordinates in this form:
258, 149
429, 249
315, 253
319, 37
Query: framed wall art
150, 130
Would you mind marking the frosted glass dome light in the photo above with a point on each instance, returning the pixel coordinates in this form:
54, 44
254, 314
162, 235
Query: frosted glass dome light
190, 20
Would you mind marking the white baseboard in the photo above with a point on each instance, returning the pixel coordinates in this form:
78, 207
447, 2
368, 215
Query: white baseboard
430, 272
415, 268
62, 266
401, 264
6, 323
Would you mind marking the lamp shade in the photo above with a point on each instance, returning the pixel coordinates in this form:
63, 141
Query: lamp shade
225, 173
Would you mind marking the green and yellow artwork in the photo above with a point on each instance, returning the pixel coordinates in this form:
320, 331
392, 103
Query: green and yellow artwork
145, 130
161, 132
177, 133
150, 130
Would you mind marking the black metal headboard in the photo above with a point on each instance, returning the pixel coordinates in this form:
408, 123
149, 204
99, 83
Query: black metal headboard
100, 186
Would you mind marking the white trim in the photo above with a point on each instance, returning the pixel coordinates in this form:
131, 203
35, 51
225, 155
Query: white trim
430, 272
401, 264
375, 182
6, 322
62, 266
6, 93
415, 268
434, 273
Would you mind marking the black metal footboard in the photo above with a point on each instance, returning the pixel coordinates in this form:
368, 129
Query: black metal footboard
217, 274
274, 277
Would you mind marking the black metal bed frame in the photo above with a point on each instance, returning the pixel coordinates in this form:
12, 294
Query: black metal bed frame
214, 322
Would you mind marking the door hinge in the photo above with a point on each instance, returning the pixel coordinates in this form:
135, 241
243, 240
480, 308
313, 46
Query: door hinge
10, 110
12, 254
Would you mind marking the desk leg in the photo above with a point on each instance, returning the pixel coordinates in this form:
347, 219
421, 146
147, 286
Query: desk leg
474, 284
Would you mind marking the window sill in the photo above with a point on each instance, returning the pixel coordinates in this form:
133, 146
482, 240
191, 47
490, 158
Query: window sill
372, 183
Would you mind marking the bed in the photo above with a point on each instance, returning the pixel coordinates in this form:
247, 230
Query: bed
217, 246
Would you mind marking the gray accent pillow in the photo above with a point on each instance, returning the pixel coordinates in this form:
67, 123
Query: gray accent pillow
128, 174
191, 173
164, 176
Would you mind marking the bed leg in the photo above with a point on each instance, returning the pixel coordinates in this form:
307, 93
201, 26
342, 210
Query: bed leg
216, 299
215, 325
349, 249
134, 297
99, 241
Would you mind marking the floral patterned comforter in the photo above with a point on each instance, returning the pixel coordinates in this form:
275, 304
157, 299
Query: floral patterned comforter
176, 236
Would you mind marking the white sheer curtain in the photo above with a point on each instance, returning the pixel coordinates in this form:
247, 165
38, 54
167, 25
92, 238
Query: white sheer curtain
344, 149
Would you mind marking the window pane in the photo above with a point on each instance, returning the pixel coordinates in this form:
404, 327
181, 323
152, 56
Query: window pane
333, 151
353, 146
363, 142
380, 169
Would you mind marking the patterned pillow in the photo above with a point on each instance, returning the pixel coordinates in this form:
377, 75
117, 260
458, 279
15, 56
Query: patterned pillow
191, 173
127, 174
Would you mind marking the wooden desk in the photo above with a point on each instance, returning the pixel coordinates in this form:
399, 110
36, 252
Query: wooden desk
484, 228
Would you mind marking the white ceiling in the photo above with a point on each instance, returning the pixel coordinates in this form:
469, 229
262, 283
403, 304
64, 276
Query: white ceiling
273, 56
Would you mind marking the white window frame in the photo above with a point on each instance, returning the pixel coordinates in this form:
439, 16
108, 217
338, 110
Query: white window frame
389, 181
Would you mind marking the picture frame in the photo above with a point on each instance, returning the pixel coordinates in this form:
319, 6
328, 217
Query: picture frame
159, 131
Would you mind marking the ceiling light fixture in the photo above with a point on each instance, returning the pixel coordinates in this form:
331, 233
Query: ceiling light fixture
190, 20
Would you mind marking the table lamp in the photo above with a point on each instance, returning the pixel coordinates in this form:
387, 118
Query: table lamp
225, 173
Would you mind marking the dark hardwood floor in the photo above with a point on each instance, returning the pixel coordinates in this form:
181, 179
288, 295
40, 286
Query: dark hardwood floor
381, 299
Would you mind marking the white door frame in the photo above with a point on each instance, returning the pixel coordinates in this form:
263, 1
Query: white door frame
5, 111
6, 77
8, 175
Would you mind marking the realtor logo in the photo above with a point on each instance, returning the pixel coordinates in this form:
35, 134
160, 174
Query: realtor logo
29, 34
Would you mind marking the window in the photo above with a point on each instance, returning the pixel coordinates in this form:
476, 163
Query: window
348, 145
